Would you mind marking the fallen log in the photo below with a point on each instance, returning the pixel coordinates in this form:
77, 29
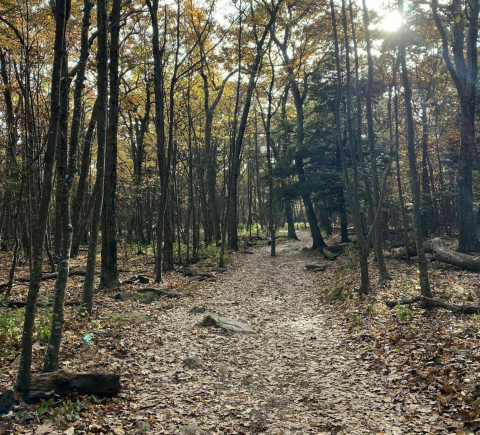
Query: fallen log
431, 302
400, 254
64, 383
20, 304
316, 267
441, 253
53, 275
148, 294
142, 279
164, 292
444, 255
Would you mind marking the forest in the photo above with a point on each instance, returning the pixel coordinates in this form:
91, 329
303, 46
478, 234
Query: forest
239, 217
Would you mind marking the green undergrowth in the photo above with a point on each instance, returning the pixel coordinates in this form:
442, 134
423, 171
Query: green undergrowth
11, 325
351, 252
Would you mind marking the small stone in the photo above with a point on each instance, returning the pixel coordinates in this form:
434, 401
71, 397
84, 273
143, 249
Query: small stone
147, 298
227, 324
207, 275
193, 363
198, 310
192, 429
189, 271
220, 270
335, 294
142, 427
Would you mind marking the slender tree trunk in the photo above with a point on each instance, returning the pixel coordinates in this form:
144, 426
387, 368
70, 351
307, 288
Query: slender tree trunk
291, 234
102, 97
422, 259
80, 214
61, 153
268, 140
11, 274
352, 191
190, 176
399, 178
255, 69
66, 177
10, 169
378, 241
163, 164
359, 112
109, 273
427, 206
24, 373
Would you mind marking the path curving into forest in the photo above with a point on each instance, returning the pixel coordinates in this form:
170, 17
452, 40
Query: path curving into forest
302, 373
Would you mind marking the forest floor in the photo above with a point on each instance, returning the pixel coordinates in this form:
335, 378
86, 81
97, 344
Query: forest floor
351, 366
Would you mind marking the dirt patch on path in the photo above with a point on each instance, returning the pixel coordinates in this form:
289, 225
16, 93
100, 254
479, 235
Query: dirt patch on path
296, 376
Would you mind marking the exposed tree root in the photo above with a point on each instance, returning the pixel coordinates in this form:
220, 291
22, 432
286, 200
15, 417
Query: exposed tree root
20, 304
435, 303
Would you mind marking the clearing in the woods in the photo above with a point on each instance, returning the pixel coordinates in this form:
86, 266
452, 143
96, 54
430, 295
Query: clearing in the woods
350, 366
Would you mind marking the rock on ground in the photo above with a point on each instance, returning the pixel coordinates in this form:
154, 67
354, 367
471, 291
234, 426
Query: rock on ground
227, 324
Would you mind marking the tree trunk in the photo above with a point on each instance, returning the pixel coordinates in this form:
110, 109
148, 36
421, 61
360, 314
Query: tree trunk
427, 204
378, 240
464, 75
24, 374
11, 274
66, 177
10, 170
81, 215
422, 260
102, 97
352, 191
299, 99
291, 234
255, 69
109, 273
399, 179
61, 153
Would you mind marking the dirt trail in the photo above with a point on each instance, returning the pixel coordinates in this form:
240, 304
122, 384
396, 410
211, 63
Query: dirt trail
301, 374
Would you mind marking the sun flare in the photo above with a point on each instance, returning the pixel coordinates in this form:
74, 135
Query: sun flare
391, 22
